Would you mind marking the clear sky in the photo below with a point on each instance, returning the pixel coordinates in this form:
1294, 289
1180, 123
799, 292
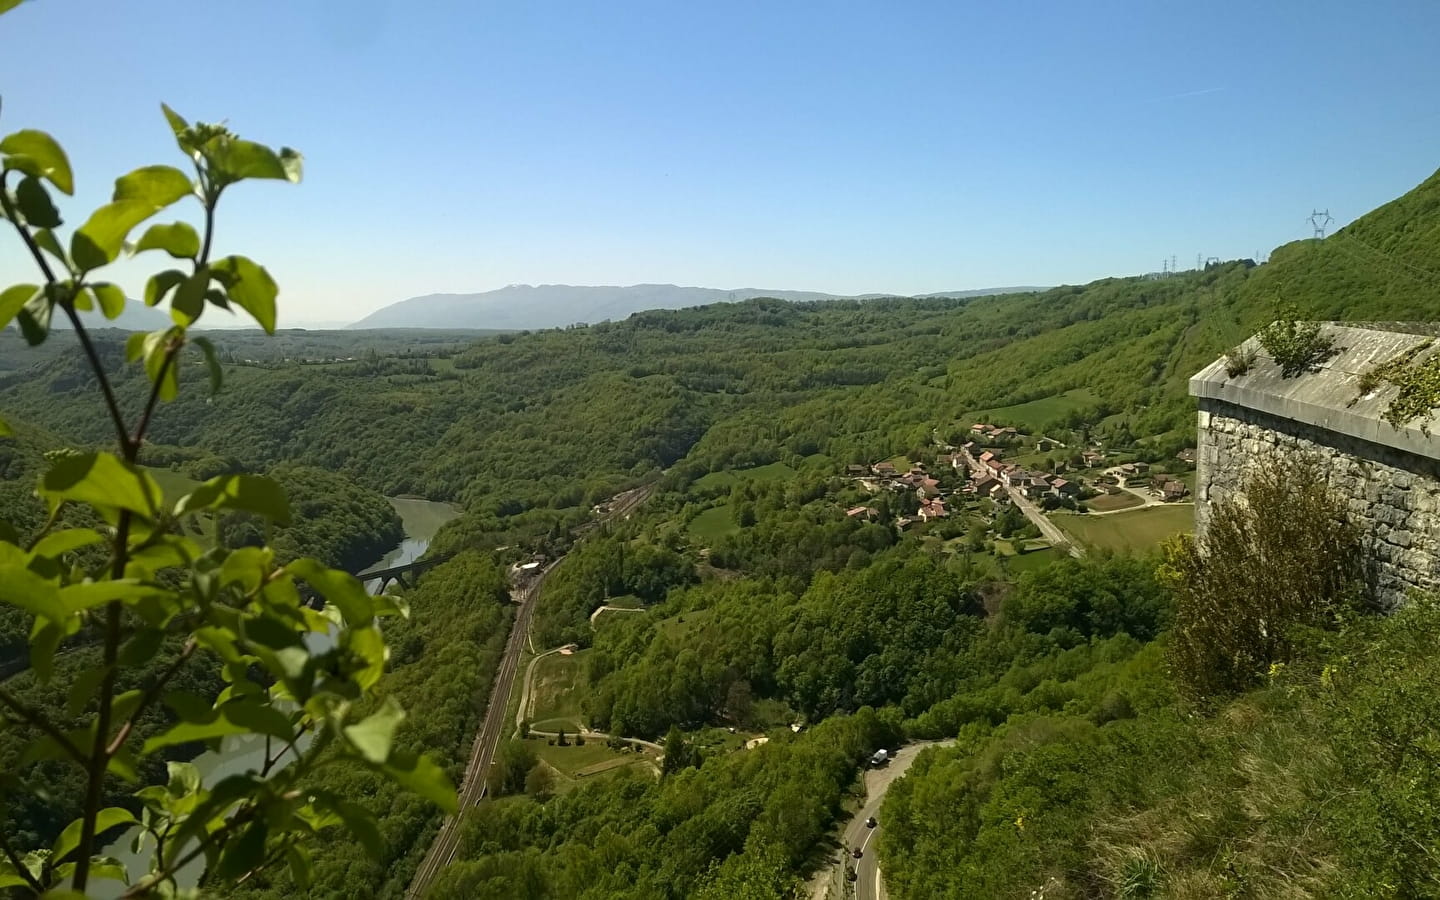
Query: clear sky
845, 147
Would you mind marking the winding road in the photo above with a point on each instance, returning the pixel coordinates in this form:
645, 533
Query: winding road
867, 884
472, 786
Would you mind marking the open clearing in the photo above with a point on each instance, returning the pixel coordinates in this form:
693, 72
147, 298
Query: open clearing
1138, 530
1036, 413
556, 694
1108, 502
776, 471
714, 523
572, 764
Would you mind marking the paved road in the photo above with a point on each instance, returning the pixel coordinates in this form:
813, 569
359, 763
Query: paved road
472, 786
868, 885
1033, 513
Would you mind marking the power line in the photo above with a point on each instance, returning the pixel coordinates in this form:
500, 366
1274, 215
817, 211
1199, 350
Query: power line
1320, 221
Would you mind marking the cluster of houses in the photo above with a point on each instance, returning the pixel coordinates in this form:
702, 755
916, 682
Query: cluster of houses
884, 476
1165, 486
992, 476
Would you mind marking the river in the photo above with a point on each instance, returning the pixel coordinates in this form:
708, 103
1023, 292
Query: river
422, 518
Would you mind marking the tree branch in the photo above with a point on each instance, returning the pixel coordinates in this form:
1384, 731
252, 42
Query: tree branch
38, 720
111, 403
144, 425
150, 697
100, 757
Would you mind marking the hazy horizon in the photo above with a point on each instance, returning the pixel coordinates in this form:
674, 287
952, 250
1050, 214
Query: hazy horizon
845, 150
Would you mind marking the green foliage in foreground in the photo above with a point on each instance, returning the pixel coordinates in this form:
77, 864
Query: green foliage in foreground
1324, 783
1281, 555
443, 661
172, 616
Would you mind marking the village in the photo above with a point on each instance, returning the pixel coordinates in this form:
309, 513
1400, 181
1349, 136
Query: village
1003, 468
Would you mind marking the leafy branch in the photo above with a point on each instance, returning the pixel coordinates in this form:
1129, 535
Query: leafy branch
238, 609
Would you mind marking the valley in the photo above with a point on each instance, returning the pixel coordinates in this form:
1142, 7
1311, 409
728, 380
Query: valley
771, 536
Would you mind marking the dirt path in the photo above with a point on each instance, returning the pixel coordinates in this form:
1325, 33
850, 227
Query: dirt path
601, 609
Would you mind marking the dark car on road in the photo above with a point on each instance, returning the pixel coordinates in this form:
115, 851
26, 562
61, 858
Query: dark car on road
870, 822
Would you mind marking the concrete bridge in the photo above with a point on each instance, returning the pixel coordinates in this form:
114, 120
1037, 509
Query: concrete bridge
398, 573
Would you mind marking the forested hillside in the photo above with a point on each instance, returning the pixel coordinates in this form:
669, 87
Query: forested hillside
764, 599
553, 421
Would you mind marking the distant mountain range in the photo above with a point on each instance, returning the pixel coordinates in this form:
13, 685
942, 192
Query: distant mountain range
522, 306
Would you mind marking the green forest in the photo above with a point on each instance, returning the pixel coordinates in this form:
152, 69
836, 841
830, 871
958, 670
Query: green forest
1078, 757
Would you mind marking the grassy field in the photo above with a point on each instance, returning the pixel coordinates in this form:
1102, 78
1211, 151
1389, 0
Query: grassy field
1142, 529
557, 691
572, 764
713, 523
776, 471
1035, 559
1036, 413
1108, 502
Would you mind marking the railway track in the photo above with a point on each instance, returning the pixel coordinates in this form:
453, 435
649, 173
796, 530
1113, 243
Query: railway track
482, 754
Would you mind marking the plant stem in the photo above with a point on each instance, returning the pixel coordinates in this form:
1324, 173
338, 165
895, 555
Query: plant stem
100, 757
144, 425
94, 359
19, 865
38, 720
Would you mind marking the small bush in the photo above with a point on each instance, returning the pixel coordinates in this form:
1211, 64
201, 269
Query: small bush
1279, 556
1296, 346
1239, 360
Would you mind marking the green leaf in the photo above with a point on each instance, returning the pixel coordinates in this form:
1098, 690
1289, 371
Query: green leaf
45, 639
83, 688
177, 122
212, 364
167, 377
179, 240
101, 479
238, 159
189, 301
110, 297
45, 240
90, 594
243, 853
301, 869
160, 284
250, 287
250, 493
240, 716
138, 196
105, 820
37, 153
158, 186
23, 588
7, 5
66, 541
34, 317
340, 588
372, 736
34, 203
13, 299
109, 867
421, 776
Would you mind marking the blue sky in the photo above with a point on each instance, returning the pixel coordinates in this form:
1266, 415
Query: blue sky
844, 147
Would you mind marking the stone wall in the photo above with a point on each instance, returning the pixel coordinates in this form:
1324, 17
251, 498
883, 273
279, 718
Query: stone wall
1393, 495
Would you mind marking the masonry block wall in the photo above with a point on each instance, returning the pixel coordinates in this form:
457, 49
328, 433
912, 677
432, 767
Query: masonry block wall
1392, 494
